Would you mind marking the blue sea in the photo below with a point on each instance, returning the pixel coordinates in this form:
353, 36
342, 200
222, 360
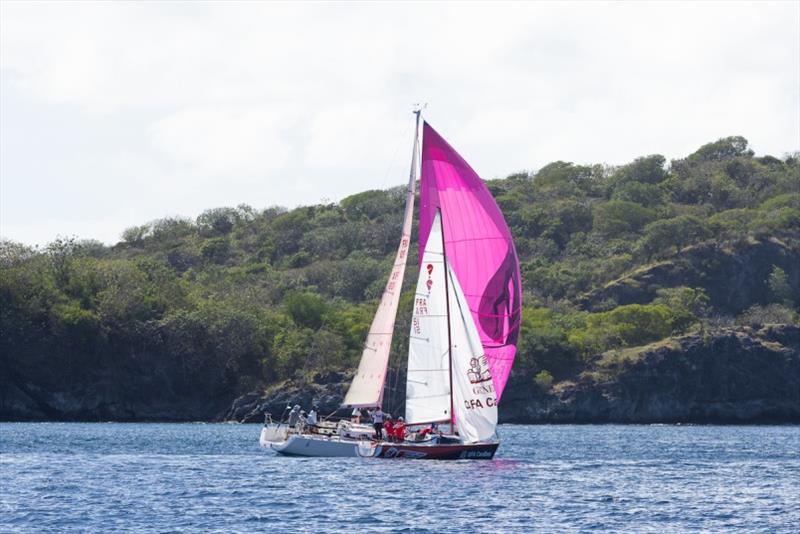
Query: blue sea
98, 477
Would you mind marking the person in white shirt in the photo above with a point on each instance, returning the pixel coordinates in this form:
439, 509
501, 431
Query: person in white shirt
355, 417
294, 415
311, 420
377, 422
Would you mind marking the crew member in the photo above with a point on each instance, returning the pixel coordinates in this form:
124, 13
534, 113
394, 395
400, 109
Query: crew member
294, 415
425, 432
400, 430
377, 422
388, 427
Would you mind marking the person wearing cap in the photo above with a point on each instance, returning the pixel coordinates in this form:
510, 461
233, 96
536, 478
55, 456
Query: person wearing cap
355, 417
294, 415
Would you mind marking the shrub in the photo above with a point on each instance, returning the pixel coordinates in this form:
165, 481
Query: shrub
543, 379
616, 217
769, 314
633, 324
305, 309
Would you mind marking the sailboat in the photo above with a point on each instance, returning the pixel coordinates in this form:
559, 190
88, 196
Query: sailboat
464, 328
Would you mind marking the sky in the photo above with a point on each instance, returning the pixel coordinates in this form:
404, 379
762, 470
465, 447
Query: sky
116, 114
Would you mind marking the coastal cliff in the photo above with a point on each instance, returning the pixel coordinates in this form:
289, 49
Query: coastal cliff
733, 375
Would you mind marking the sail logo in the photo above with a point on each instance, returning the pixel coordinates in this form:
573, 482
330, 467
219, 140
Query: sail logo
483, 389
482, 386
476, 454
477, 404
429, 282
420, 308
479, 370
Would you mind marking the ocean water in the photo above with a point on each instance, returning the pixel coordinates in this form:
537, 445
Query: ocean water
215, 478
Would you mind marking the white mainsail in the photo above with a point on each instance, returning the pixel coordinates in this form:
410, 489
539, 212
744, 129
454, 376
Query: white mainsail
366, 390
428, 375
474, 399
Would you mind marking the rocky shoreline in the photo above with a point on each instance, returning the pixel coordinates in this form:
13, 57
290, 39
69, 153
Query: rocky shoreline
733, 376
742, 375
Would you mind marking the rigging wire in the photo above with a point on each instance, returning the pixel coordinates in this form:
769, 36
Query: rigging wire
393, 159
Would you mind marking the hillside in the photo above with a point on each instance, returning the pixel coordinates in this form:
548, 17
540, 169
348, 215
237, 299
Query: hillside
182, 316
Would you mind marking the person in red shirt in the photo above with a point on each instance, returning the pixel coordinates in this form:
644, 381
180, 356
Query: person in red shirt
400, 430
388, 426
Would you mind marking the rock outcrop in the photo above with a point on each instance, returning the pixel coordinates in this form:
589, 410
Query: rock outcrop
737, 375
324, 391
732, 375
98, 398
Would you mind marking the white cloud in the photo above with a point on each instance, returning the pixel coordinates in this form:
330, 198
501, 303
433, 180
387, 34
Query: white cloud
218, 142
177, 107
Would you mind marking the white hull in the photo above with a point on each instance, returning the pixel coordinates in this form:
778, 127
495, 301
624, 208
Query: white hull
273, 434
305, 445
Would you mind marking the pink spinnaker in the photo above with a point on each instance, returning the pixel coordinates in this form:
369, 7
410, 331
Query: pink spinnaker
479, 248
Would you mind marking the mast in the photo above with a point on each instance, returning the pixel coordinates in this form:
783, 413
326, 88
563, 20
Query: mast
449, 333
367, 387
412, 179
412, 186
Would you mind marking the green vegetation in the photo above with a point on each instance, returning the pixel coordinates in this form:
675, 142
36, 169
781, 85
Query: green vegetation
241, 297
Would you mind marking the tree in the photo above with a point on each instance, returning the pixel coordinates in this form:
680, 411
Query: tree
171, 229
306, 309
645, 170
544, 379
135, 235
216, 249
687, 304
733, 222
62, 252
722, 149
678, 232
370, 205
779, 286
616, 217
769, 314
13, 253
218, 221
633, 324
647, 195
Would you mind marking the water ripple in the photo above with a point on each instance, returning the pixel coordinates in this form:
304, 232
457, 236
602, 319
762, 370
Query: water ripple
215, 478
